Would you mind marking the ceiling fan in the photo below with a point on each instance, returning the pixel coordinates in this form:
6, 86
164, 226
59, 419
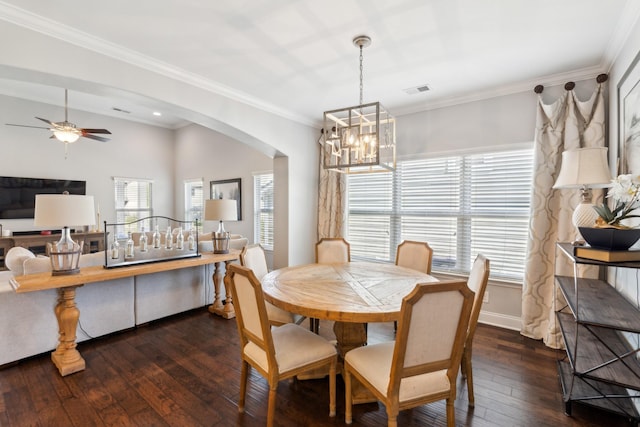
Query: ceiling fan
66, 131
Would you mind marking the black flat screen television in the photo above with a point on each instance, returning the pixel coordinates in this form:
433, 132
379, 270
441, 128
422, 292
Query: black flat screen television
18, 195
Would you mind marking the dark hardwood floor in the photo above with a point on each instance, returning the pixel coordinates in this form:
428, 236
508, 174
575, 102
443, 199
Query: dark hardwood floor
184, 371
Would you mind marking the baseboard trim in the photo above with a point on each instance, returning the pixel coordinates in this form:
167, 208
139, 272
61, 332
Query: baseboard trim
501, 320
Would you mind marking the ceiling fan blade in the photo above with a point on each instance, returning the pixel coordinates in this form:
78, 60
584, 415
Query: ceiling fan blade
27, 126
97, 138
85, 130
45, 120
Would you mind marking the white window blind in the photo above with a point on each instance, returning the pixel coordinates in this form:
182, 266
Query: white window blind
133, 202
194, 201
460, 205
263, 210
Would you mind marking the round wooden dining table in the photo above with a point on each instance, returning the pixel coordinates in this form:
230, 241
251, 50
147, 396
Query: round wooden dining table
351, 294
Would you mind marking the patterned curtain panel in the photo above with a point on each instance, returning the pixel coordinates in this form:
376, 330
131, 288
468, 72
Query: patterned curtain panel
332, 190
563, 125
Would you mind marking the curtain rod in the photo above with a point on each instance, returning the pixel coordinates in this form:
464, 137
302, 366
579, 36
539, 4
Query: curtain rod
570, 85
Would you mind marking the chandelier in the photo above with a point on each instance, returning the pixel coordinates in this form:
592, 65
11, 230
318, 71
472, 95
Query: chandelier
359, 139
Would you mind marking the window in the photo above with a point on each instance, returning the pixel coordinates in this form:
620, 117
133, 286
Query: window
263, 209
133, 202
194, 201
461, 205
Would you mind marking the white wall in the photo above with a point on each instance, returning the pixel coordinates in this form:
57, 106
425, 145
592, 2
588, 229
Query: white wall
134, 150
624, 279
204, 153
496, 122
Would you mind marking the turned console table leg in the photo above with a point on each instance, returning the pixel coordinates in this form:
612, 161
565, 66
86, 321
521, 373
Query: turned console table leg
217, 305
225, 310
229, 310
66, 357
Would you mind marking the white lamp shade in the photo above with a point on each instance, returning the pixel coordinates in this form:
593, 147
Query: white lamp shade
60, 210
221, 210
584, 167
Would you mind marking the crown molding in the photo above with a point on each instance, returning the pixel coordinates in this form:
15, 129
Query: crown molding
547, 81
87, 41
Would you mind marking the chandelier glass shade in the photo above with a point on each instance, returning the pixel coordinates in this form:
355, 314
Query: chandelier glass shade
362, 138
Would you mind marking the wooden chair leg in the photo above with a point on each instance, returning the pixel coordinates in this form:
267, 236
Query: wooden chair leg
271, 409
243, 385
451, 413
348, 398
332, 388
392, 414
469, 373
463, 367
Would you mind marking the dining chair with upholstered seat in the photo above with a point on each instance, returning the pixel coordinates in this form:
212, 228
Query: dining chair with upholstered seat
421, 365
477, 282
330, 250
276, 353
414, 255
253, 257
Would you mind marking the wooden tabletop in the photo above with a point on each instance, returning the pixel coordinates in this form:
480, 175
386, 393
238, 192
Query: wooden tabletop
43, 281
351, 292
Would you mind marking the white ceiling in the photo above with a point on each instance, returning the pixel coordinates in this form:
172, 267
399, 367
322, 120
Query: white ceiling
297, 56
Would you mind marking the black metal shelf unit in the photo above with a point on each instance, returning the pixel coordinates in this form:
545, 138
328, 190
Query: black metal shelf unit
599, 328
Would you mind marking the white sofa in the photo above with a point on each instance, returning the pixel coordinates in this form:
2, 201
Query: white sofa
28, 325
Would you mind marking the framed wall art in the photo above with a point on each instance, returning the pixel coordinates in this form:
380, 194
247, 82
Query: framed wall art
228, 189
629, 120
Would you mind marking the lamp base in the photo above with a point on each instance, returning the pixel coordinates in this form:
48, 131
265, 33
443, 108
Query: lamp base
65, 255
220, 242
584, 215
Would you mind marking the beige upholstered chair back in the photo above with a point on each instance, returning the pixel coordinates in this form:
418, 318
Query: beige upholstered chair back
251, 313
477, 282
332, 250
431, 332
414, 255
252, 256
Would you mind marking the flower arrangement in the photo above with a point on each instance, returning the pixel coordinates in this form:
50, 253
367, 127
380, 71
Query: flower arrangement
625, 194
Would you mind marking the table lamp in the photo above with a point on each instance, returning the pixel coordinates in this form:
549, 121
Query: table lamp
220, 210
584, 168
62, 210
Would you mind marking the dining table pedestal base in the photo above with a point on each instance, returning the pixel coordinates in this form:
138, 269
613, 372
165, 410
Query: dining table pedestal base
350, 336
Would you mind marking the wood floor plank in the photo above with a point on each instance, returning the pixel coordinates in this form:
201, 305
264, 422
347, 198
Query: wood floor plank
185, 371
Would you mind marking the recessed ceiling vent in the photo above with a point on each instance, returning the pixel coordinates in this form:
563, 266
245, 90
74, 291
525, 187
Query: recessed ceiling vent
417, 89
120, 110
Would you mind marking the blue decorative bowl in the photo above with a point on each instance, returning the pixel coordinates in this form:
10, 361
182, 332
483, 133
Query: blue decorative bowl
611, 239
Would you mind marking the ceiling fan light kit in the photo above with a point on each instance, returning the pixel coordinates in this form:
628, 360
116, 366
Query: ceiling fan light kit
65, 135
66, 131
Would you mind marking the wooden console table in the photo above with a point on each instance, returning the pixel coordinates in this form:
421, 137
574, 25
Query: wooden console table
66, 357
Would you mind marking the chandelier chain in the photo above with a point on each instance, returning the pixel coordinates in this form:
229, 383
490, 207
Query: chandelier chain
361, 86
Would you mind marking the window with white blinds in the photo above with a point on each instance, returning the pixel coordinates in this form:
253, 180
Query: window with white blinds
461, 205
263, 209
133, 202
194, 201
